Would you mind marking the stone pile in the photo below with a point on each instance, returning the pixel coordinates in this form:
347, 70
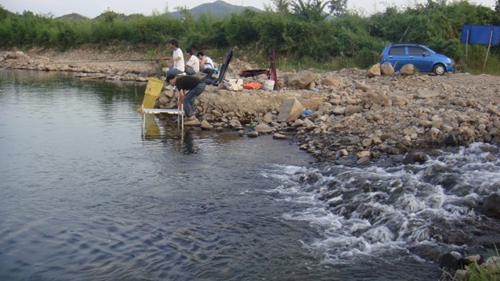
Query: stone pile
122, 70
352, 115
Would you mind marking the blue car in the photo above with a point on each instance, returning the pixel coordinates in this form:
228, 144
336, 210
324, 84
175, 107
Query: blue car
423, 58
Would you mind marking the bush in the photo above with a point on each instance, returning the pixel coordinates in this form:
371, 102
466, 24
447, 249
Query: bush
349, 39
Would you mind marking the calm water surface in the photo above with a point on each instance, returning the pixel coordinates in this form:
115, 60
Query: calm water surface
85, 197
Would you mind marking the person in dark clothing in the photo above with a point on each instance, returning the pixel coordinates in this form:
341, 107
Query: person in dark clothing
190, 87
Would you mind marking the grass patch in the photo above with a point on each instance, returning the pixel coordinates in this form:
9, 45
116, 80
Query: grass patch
478, 272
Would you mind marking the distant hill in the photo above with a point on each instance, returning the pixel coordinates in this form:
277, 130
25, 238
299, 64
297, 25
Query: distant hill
73, 16
217, 8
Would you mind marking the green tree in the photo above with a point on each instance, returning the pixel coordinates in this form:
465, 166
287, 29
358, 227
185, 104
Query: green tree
109, 16
497, 10
281, 6
311, 11
337, 7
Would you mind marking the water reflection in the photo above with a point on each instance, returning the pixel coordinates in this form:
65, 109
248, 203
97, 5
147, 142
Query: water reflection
151, 128
190, 146
170, 133
51, 83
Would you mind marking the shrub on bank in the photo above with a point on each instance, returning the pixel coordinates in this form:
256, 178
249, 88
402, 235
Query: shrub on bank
348, 38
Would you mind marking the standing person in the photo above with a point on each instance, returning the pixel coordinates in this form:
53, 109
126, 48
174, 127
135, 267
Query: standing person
177, 58
206, 63
190, 87
193, 64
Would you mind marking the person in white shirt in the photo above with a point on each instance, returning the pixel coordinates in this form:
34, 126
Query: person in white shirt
177, 58
206, 63
193, 64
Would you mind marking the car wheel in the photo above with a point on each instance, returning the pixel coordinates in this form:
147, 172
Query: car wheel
439, 69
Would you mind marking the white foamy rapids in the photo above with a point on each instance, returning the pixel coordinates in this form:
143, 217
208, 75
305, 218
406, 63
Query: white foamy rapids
362, 209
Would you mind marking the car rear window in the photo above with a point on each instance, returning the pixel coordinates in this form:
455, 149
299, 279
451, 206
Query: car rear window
415, 51
397, 51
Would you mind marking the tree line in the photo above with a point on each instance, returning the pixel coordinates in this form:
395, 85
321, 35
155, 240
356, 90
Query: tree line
298, 30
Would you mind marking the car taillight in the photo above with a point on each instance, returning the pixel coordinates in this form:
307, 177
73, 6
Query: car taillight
380, 58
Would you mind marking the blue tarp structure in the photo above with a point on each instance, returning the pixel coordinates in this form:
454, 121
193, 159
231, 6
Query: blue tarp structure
480, 34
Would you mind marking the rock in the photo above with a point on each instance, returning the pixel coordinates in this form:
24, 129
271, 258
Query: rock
460, 274
169, 93
451, 140
363, 154
449, 261
51, 68
194, 122
163, 99
366, 142
434, 132
205, 125
491, 206
330, 80
374, 71
291, 109
361, 86
268, 118
308, 123
399, 101
235, 124
425, 123
371, 98
253, 134
338, 110
263, 128
492, 265
426, 94
387, 69
494, 110
472, 259
363, 161
312, 103
425, 251
298, 123
302, 79
279, 136
412, 158
352, 109
216, 113
407, 69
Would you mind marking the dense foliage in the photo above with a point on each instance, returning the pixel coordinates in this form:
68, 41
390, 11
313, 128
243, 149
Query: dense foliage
297, 30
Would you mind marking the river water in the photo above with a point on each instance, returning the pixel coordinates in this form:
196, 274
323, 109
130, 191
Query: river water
84, 196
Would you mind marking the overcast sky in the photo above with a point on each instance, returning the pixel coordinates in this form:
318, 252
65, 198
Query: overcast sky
93, 8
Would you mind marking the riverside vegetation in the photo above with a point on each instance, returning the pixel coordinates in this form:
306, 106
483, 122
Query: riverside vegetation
301, 33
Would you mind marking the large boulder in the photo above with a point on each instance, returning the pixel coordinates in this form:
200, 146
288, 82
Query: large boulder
330, 80
302, 79
491, 205
407, 69
291, 109
387, 69
374, 71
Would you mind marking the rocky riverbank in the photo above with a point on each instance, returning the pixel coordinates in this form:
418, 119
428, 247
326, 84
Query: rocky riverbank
350, 116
